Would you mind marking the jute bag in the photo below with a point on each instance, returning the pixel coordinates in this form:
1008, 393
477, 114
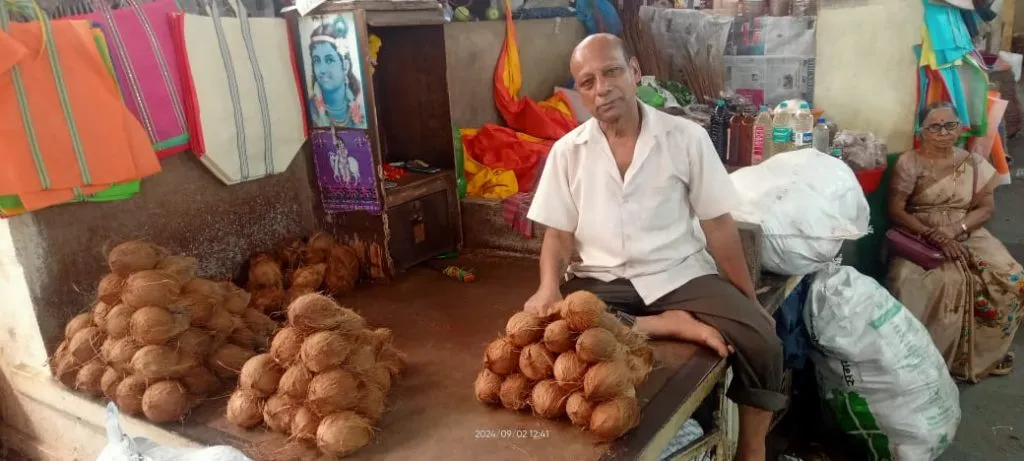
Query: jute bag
241, 92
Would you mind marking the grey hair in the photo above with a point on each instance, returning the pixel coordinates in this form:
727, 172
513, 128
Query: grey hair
937, 106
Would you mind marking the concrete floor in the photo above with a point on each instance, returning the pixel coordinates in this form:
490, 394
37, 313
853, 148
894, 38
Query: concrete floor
992, 428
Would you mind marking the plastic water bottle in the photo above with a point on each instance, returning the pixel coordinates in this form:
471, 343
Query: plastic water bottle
720, 129
821, 136
762, 147
782, 130
803, 129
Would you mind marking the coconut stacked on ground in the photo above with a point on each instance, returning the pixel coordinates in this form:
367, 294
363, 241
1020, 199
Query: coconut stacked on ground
324, 382
159, 340
582, 363
300, 268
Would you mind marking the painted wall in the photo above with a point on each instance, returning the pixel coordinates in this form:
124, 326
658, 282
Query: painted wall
472, 52
866, 70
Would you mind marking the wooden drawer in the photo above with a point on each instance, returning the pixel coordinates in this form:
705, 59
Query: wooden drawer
423, 227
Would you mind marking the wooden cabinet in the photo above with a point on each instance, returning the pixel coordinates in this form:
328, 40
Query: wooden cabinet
376, 71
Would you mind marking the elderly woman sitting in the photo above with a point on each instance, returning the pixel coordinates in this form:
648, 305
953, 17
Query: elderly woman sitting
971, 302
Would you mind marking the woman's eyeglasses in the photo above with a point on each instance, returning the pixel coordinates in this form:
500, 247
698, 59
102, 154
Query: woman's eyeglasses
938, 127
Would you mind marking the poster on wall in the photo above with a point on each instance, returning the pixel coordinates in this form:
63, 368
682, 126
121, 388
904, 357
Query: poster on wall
343, 161
332, 70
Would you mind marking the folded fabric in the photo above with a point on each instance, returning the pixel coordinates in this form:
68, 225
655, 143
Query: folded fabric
62, 88
483, 181
241, 93
143, 55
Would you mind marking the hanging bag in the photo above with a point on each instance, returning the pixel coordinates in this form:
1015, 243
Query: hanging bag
241, 92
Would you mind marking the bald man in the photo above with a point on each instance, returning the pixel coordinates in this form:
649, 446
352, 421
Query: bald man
644, 199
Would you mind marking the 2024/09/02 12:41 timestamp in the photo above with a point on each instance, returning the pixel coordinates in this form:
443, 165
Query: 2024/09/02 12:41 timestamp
512, 433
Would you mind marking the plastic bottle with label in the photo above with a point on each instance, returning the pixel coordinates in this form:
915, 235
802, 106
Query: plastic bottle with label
803, 127
762, 137
782, 130
822, 143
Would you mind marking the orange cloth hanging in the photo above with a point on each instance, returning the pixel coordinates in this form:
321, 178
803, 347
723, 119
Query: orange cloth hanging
502, 148
65, 130
550, 119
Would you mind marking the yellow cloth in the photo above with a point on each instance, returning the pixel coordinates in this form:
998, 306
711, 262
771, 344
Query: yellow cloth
483, 181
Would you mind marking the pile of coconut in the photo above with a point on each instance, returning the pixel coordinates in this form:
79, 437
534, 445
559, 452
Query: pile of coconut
320, 264
324, 382
581, 363
158, 340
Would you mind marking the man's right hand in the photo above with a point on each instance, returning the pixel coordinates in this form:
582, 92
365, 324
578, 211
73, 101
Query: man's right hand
542, 303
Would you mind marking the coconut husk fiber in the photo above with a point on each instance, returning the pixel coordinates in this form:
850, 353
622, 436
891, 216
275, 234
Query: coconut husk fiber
579, 363
156, 340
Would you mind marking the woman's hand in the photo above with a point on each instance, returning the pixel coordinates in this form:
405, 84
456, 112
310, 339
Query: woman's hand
954, 251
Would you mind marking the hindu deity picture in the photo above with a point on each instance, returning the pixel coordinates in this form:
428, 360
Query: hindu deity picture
333, 71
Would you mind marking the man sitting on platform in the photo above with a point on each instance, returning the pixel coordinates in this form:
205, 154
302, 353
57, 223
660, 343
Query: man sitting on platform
627, 190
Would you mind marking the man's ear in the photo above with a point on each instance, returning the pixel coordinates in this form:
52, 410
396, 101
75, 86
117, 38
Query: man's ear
634, 68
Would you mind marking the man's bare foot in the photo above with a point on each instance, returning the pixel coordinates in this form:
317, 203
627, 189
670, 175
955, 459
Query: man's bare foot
683, 326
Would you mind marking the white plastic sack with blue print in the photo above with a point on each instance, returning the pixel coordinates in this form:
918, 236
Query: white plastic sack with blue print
120, 447
807, 204
881, 376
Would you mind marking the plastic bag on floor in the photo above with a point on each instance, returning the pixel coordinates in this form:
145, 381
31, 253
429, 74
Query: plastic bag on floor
120, 447
882, 377
807, 203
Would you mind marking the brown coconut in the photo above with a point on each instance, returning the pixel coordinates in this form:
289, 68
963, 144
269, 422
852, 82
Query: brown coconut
161, 362
157, 325
524, 328
606, 381
381, 337
245, 408
165, 401
639, 369
129, 394
246, 338
502, 357
548, 399
343, 433
78, 323
260, 374
579, 409
318, 248
110, 288
236, 300
582, 310
570, 370
134, 256
558, 337
151, 288
222, 323
309, 277
325, 350
268, 301
111, 378
90, 378
342, 270
99, 314
182, 268
314, 312
536, 362
295, 381
488, 387
333, 391
279, 411
361, 359
200, 381
264, 273
392, 358
515, 391
260, 324
118, 353
290, 252
372, 402
86, 344
611, 419
379, 376
65, 369
304, 424
227, 360
597, 345
196, 342
119, 321
286, 345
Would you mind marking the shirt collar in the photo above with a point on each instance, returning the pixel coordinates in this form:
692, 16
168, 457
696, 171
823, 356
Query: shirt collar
650, 125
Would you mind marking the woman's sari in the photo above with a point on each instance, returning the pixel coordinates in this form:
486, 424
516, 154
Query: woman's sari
972, 310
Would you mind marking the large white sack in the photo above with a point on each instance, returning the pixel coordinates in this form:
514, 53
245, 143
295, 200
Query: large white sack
807, 204
878, 370
121, 447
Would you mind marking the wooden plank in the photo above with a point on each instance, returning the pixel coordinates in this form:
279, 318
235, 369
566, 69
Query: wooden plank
1008, 15
375, 6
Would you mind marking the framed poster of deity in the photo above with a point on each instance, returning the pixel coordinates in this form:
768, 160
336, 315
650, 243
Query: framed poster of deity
332, 68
